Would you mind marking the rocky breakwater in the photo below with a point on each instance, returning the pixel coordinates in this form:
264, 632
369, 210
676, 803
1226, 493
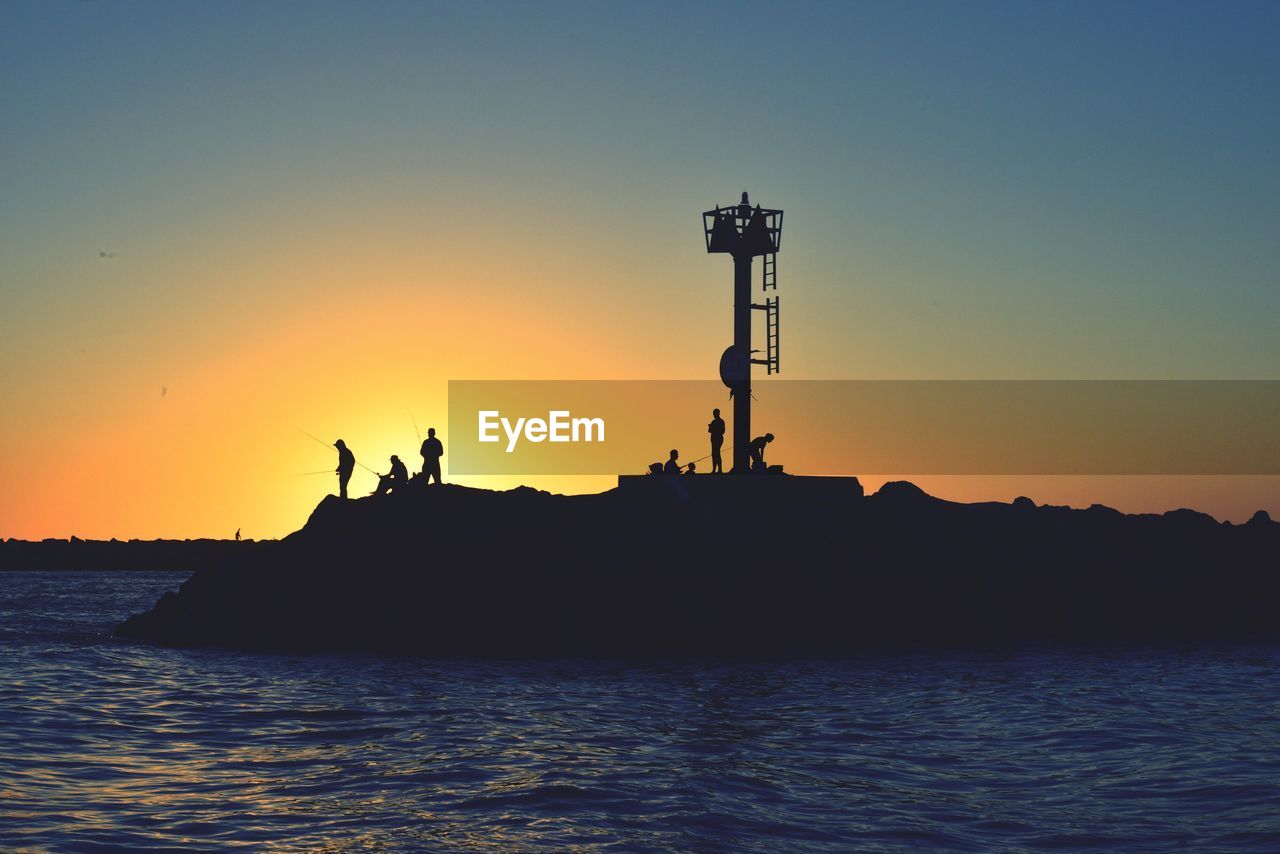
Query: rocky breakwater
722, 564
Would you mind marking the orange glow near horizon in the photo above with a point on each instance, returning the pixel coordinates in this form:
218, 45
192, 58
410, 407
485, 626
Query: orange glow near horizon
188, 424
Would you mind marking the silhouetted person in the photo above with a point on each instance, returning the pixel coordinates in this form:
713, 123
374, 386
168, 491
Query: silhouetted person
757, 451
346, 465
692, 469
716, 429
672, 467
237, 535
432, 451
396, 478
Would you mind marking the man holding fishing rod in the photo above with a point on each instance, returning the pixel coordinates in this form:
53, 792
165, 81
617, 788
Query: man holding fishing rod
346, 465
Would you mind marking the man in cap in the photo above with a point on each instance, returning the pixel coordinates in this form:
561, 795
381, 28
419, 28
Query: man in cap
396, 478
346, 465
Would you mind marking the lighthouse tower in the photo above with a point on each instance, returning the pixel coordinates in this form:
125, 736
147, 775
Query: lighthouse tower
746, 233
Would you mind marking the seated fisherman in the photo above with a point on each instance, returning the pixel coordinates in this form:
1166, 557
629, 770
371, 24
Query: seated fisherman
672, 467
397, 477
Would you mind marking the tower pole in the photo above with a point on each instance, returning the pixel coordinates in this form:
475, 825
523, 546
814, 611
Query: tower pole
742, 341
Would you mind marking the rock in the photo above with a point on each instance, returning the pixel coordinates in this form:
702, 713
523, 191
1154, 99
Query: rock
727, 565
1184, 516
902, 490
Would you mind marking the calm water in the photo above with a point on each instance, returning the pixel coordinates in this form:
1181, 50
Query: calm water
116, 745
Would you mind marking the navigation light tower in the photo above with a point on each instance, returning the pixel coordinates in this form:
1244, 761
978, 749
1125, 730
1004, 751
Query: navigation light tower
745, 233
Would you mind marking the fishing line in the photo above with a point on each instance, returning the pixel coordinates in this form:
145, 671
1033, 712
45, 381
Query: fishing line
327, 445
707, 457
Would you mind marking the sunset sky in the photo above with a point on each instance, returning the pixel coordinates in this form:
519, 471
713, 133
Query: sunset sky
222, 223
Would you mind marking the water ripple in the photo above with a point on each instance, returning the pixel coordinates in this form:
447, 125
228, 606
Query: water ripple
110, 745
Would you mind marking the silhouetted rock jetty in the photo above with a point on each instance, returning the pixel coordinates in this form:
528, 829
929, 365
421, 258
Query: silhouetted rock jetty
722, 564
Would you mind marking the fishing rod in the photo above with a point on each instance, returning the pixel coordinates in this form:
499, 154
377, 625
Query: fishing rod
314, 437
700, 459
327, 445
707, 457
415, 424
306, 473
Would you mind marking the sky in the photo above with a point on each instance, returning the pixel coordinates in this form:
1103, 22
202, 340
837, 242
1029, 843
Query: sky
222, 224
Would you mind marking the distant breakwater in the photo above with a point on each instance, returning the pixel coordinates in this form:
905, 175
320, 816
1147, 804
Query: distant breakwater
127, 555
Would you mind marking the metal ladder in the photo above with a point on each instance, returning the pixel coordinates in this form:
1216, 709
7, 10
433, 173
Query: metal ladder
770, 309
770, 281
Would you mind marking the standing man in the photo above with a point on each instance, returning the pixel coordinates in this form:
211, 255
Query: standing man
432, 451
716, 429
346, 465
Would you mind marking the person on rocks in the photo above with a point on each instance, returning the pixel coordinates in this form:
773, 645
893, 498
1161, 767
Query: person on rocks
757, 452
432, 451
672, 467
716, 429
393, 480
346, 465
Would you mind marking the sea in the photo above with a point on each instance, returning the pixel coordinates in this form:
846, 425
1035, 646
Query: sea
112, 745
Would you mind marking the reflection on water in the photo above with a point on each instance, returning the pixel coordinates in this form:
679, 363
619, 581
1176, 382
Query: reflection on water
105, 743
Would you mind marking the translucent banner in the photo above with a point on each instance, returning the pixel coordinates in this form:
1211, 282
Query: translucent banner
1020, 427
